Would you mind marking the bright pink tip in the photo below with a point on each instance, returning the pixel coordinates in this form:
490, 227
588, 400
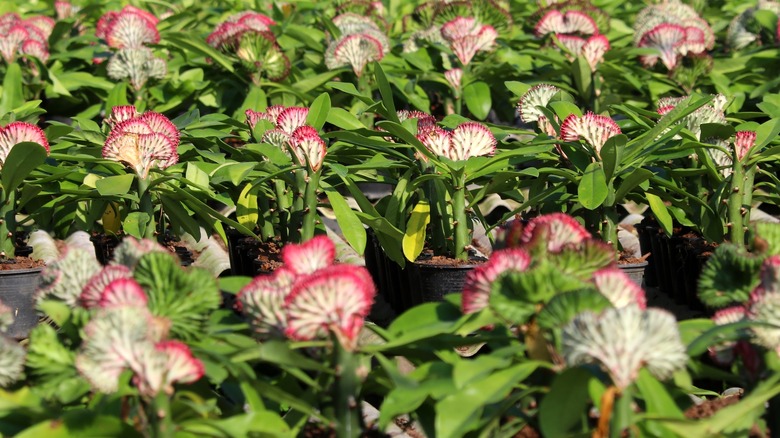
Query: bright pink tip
425, 121
478, 283
310, 256
182, 366
309, 148
745, 140
667, 38
458, 28
92, 292
558, 230
161, 124
121, 113
18, 132
729, 315
291, 118
619, 289
122, 292
132, 29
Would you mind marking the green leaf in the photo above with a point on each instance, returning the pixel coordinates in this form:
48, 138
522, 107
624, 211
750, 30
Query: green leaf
611, 154
235, 173
583, 78
767, 132
564, 109
192, 44
592, 190
563, 411
114, 185
246, 207
318, 111
414, 236
23, 158
661, 212
478, 99
135, 224
518, 88
81, 423
343, 119
117, 96
180, 217
657, 397
385, 91
255, 100
13, 88
459, 412
628, 183
348, 221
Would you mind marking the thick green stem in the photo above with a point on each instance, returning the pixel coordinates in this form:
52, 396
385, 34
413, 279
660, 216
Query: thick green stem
282, 208
162, 426
310, 202
7, 224
266, 217
736, 205
364, 87
346, 392
146, 206
295, 227
609, 229
621, 414
747, 194
460, 218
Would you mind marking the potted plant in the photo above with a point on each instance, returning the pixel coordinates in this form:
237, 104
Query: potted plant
23, 148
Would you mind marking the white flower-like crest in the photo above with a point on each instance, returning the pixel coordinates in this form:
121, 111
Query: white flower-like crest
625, 340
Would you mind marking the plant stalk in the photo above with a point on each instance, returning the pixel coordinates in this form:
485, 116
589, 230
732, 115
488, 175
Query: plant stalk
163, 423
7, 224
145, 205
310, 202
282, 209
461, 220
346, 392
736, 201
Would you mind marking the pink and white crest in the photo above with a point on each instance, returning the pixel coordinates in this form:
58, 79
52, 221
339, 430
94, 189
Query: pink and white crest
569, 22
335, 299
478, 282
537, 96
36, 49
594, 49
619, 289
291, 118
309, 148
91, 293
471, 139
458, 28
19, 132
122, 292
317, 253
454, 77
143, 142
131, 29
262, 301
557, 230
425, 121
594, 129
667, 39
357, 50
120, 114
11, 42
179, 366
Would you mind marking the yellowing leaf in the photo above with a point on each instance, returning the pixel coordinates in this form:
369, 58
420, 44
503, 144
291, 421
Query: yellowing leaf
112, 221
246, 207
414, 237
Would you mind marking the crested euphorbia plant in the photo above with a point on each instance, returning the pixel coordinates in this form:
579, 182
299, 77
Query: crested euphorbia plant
450, 155
144, 143
677, 33
23, 147
24, 37
137, 316
311, 298
295, 190
128, 32
360, 43
248, 36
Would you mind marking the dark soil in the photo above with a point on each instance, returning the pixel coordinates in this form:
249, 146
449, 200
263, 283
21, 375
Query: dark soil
269, 256
18, 263
427, 258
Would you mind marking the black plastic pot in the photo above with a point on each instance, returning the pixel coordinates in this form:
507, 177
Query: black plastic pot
17, 290
430, 282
